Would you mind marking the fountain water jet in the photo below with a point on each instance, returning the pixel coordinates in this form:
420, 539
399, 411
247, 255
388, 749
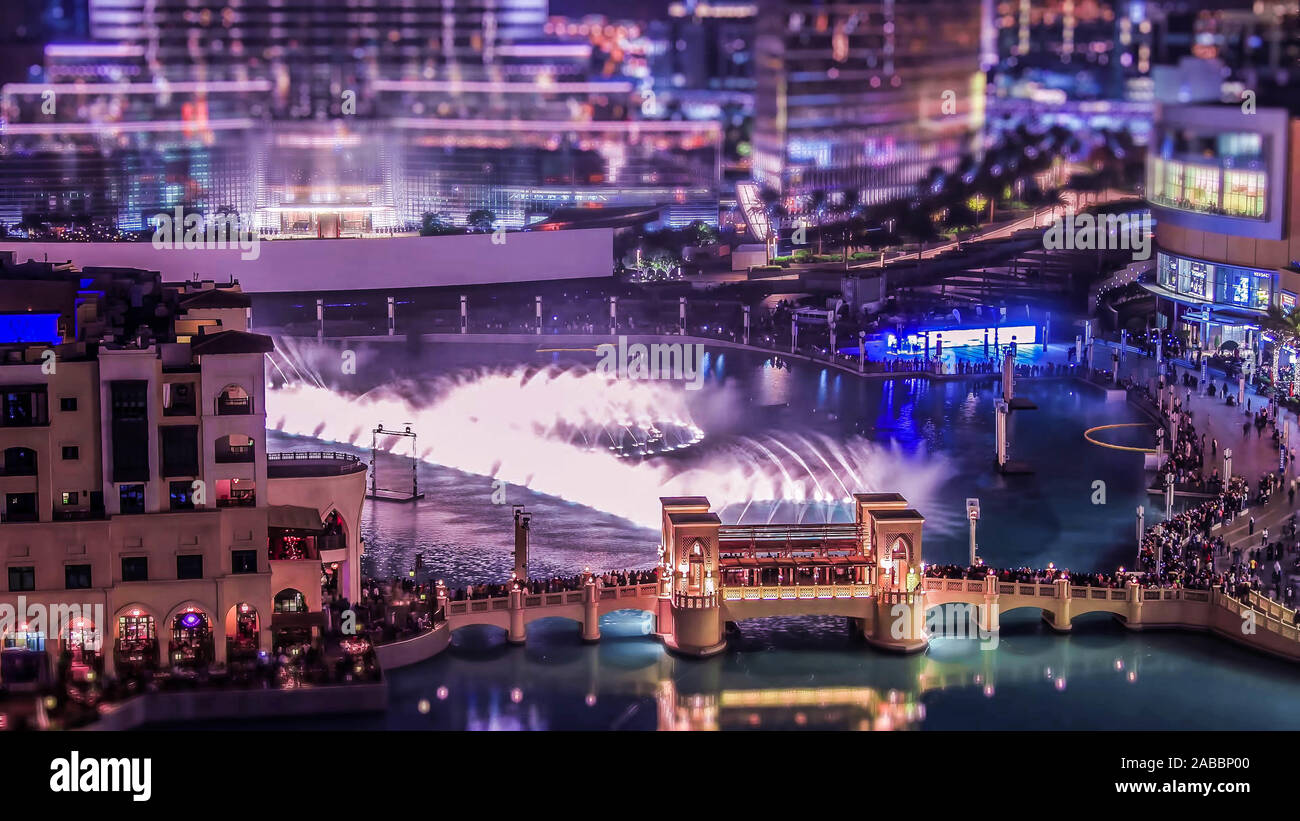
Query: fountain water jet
516, 426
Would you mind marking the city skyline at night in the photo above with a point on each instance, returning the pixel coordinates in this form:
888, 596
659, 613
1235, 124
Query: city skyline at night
709, 365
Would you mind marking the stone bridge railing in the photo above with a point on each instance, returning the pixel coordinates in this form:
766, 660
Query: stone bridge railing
470, 607
1058, 590
797, 591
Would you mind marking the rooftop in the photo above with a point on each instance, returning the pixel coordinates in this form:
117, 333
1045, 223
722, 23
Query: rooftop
231, 342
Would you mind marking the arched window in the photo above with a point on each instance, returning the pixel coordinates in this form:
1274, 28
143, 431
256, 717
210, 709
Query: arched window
19, 462
234, 447
290, 601
234, 401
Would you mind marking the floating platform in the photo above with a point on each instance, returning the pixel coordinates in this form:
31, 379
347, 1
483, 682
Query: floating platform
1014, 468
394, 495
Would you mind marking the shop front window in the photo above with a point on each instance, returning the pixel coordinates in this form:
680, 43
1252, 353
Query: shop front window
137, 643
191, 639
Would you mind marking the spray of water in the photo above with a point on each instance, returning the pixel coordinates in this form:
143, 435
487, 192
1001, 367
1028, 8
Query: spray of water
519, 426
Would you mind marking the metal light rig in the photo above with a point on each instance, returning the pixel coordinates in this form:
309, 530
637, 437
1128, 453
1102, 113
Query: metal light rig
392, 494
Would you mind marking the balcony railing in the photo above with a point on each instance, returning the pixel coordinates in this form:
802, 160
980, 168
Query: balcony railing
242, 500
688, 601
309, 463
80, 515
234, 405
235, 454
334, 541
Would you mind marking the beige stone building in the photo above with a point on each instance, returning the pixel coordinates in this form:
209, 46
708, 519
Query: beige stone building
135, 481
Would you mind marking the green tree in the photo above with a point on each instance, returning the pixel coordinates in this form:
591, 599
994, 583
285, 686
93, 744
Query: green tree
432, 225
480, 219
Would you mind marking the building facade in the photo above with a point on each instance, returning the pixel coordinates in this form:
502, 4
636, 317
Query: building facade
1223, 182
864, 97
136, 484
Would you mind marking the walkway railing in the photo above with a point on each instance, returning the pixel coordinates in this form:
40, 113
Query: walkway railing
629, 591
772, 592
466, 607
1049, 591
1272, 623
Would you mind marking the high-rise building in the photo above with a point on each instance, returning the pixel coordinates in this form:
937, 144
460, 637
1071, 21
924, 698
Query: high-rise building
341, 117
864, 97
315, 52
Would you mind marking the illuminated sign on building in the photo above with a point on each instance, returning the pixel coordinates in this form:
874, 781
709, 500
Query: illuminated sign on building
1228, 285
27, 327
751, 205
966, 337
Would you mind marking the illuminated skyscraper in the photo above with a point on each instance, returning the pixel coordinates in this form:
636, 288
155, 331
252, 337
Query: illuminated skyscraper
314, 52
864, 96
336, 116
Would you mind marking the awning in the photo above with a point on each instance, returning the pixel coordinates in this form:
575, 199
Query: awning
298, 620
294, 517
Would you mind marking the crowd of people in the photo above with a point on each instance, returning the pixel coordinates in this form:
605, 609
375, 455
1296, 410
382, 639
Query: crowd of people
1180, 552
555, 584
1025, 575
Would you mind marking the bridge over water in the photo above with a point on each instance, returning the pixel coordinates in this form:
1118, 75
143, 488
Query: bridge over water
868, 571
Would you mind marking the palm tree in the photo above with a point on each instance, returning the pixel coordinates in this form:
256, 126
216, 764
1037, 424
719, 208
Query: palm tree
776, 212
818, 209
1285, 326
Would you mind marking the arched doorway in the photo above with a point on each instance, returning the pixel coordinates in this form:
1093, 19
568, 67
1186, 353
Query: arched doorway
334, 574
695, 569
291, 624
234, 401
82, 642
191, 639
242, 628
290, 601
897, 569
137, 642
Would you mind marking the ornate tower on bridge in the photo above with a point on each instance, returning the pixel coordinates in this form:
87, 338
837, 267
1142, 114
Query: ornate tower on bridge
894, 532
868, 570
689, 618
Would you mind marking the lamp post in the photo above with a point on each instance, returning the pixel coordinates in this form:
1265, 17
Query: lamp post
1169, 495
1141, 529
973, 515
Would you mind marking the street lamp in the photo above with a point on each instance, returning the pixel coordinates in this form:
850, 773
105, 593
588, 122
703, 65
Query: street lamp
973, 514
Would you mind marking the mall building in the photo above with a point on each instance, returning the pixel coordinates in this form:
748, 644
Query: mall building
1223, 182
135, 481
